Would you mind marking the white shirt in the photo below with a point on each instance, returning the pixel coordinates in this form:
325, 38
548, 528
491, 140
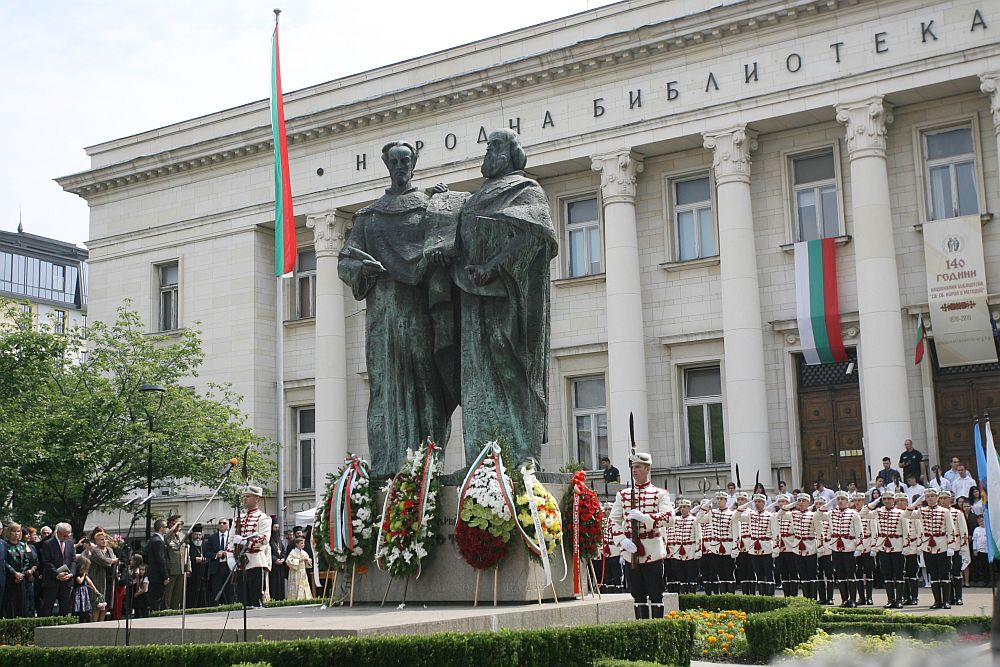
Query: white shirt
977, 508
950, 475
825, 493
731, 501
945, 485
979, 540
960, 487
914, 492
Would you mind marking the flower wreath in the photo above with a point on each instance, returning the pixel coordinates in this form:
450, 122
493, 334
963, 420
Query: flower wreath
538, 512
409, 515
344, 520
580, 503
486, 516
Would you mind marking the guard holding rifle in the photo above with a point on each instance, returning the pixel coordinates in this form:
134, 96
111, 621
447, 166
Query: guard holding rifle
250, 547
639, 518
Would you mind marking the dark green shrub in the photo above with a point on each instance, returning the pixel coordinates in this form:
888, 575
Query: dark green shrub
857, 611
607, 662
751, 604
771, 632
21, 631
928, 630
666, 642
971, 624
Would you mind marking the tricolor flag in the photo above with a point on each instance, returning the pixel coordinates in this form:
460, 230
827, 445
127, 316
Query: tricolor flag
983, 478
816, 302
991, 486
918, 353
284, 222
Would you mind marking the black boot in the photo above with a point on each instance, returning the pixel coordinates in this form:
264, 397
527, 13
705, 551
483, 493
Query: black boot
912, 592
936, 591
956, 591
793, 587
900, 593
869, 589
890, 595
852, 591
844, 594
945, 594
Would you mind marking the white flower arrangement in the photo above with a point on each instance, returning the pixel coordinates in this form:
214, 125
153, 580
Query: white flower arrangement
356, 541
409, 516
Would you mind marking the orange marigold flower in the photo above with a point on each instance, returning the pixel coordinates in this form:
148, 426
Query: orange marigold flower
712, 639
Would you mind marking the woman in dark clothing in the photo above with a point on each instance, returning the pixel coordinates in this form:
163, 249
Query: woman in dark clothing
103, 563
19, 571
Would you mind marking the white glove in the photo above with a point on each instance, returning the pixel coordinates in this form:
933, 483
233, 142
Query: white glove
628, 545
857, 554
951, 552
705, 504
237, 540
636, 515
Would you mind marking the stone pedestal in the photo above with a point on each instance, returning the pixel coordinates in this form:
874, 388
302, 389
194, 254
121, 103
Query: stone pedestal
446, 577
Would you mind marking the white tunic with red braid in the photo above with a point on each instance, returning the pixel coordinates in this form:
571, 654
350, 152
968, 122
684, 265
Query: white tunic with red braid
655, 504
786, 536
683, 539
255, 527
869, 526
807, 531
936, 529
845, 528
761, 532
718, 531
911, 546
960, 536
744, 533
893, 530
608, 546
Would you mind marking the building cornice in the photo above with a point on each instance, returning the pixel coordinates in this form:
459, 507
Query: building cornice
579, 60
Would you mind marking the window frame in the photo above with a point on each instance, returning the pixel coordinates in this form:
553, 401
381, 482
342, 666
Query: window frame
790, 190
564, 203
310, 277
301, 437
927, 164
60, 319
160, 291
674, 209
917, 141
593, 413
703, 401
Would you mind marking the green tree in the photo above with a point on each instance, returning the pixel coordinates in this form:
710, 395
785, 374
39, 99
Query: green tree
83, 437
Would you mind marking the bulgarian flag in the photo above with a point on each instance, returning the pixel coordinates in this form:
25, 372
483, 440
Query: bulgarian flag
918, 354
989, 484
284, 221
816, 302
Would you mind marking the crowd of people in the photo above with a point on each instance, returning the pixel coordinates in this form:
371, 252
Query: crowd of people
98, 577
893, 535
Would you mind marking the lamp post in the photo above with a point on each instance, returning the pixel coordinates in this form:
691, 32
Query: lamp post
150, 393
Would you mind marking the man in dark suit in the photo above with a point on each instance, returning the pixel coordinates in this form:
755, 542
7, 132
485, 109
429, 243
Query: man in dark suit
57, 586
218, 568
157, 565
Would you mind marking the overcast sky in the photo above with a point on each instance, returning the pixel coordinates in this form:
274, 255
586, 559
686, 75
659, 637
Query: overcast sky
80, 73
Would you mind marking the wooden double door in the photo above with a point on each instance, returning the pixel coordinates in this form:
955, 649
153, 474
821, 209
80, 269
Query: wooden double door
957, 399
830, 429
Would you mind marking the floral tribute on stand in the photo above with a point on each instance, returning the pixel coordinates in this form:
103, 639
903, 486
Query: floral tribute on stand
409, 516
344, 520
540, 524
580, 503
487, 507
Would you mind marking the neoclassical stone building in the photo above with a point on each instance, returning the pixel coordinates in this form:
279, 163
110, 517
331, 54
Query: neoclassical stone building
685, 145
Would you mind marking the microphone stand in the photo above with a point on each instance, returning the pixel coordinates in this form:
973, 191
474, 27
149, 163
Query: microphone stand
127, 552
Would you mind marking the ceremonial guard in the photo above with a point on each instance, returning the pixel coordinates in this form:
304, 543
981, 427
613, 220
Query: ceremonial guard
937, 531
250, 547
744, 572
911, 551
647, 519
611, 563
718, 544
785, 549
683, 541
825, 576
864, 555
892, 537
959, 550
757, 543
807, 529
846, 535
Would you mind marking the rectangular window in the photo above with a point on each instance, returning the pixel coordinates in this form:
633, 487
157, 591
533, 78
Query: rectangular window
59, 321
814, 184
703, 415
168, 275
26, 314
583, 238
694, 226
305, 285
306, 439
590, 421
950, 173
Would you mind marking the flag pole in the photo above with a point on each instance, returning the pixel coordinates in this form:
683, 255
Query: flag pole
279, 369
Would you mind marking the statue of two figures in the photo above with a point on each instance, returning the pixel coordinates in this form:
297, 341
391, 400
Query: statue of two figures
457, 293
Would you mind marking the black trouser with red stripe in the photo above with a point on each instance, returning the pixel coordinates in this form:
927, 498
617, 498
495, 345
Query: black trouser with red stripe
682, 575
763, 573
789, 573
645, 583
721, 574
891, 565
844, 568
939, 570
956, 578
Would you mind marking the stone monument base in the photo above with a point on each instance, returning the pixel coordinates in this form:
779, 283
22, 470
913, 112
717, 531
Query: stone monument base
446, 577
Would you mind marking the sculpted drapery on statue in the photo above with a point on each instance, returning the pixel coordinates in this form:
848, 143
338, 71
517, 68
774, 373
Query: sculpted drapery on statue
396, 260
504, 248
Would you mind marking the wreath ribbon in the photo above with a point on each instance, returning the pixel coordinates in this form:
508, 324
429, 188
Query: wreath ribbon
576, 538
529, 482
341, 512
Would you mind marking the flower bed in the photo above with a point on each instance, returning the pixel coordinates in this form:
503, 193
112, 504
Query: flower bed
719, 634
823, 642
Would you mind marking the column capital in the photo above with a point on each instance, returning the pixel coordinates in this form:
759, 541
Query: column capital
866, 123
619, 172
991, 86
329, 232
731, 150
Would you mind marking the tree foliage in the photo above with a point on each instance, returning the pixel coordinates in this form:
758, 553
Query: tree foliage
76, 436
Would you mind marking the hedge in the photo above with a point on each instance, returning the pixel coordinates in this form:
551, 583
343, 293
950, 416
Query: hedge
854, 611
14, 631
237, 607
668, 642
928, 630
973, 624
751, 604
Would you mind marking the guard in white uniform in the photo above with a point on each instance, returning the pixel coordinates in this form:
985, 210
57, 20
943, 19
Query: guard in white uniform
864, 555
718, 541
937, 532
911, 551
683, 540
846, 533
758, 544
807, 529
959, 551
253, 532
653, 514
785, 549
826, 580
891, 538
744, 571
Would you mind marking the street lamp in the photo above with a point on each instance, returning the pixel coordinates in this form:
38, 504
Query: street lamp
151, 393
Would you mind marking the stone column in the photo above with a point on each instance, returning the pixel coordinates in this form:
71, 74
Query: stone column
991, 86
882, 359
331, 348
626, 352
749, 444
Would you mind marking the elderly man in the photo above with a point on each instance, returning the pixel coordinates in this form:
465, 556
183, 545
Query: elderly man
394, 259
253, 530
57, 585
505, 244
648, 518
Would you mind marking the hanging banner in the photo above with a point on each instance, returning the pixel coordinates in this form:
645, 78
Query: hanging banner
956, 291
